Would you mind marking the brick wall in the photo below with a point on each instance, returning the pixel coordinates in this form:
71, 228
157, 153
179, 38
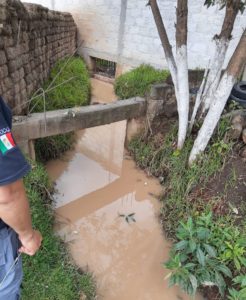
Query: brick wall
32, 39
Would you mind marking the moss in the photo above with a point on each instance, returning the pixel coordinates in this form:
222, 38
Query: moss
50, 274
138, 81
73, 89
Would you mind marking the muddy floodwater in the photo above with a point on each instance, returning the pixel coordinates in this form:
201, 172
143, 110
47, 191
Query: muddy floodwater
107, 214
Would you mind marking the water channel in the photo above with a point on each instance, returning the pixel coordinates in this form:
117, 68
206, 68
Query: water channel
107, 214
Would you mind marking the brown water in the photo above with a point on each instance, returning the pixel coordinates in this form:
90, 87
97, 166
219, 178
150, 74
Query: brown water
99, 186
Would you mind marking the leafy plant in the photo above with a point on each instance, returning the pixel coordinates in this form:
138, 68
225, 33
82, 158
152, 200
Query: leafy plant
234, 251
201, 257
240, 293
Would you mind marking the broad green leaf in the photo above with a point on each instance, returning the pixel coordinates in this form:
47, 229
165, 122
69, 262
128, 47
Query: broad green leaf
243, 260
172, 280
189, 266
192, 245
190, 224
194, 283
210, 250
203, 233
200, 256
183, 257
180, 245
237, 264
241, 279
220, 282
243, 294
225, 270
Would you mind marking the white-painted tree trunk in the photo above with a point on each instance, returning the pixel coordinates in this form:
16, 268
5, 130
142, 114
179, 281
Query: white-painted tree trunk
213, 116
183, 93
214, 75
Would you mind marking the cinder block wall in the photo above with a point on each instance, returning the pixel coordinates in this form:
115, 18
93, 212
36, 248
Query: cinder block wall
32, 39
124, 30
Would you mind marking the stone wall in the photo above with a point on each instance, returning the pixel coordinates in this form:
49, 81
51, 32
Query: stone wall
32, 39
124, 30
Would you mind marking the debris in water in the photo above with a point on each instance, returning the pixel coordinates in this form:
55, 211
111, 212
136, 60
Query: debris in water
128, 218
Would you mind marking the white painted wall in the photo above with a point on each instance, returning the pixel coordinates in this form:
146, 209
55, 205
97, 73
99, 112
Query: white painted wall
132, 38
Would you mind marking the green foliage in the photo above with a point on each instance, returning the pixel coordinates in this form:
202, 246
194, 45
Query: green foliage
223, 4
180, 180
50, 274
138, 81
73, 86
52, 147
73, 89
197, 259
240, 293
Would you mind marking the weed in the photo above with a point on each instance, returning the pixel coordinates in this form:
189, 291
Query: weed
205, 254
240, 293
138, 81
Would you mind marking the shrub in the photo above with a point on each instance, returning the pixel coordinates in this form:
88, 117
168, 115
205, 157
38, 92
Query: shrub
73, 89
204, 255
138, 81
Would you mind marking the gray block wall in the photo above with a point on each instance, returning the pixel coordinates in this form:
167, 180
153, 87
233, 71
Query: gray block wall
32, 39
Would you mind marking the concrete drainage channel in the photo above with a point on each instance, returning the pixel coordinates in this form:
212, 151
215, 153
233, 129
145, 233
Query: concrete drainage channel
106, 211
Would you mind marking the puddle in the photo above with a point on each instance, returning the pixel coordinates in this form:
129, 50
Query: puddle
107, 213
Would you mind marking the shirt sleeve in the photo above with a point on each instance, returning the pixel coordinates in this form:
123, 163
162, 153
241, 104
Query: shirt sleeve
13, 165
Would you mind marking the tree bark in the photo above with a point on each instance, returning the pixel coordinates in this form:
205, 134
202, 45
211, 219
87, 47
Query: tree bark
164, 40
221, 45
229, 78
182, 70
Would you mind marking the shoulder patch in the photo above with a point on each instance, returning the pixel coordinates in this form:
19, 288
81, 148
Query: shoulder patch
6, 142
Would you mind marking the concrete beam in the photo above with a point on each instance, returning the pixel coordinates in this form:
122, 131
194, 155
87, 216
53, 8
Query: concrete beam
67, 120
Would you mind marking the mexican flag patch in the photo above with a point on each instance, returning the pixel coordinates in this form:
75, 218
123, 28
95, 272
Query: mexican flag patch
6, 142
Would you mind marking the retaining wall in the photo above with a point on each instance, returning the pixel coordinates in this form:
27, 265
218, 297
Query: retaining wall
32, 39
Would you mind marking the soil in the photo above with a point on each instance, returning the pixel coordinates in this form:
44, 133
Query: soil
230, 186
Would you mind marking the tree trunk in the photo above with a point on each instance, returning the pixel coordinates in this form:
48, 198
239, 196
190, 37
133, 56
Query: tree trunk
221, 45
164, 40
182, 70
211, 79
223, 91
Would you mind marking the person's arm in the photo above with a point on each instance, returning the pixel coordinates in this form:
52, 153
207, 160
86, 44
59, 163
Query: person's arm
14, 211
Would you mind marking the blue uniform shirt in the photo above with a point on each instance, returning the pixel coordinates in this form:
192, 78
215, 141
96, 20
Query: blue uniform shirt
13, 165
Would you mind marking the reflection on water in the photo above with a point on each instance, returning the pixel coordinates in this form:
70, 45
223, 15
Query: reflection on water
98, 187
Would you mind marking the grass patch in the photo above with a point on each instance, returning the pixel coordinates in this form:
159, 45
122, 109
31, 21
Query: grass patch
163, 161
73, 89
185, 203
50, 275
138, 81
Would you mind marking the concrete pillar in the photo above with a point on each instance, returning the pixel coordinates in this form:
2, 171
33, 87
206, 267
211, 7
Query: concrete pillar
31, 149
160, 101
28, 148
